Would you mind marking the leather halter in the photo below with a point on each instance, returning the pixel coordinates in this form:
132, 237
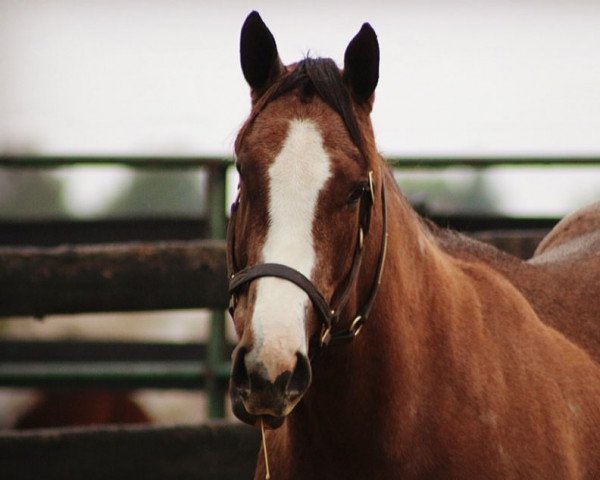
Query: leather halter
328, 313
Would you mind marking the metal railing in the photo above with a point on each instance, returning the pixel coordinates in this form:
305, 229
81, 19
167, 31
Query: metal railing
191, 162
210, 368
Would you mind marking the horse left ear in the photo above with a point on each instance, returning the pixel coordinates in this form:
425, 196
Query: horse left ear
258, 55
361, 64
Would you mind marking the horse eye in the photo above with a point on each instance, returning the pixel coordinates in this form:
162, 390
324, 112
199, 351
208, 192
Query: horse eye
358, 192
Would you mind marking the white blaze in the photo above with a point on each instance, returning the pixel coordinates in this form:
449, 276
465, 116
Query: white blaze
296, 177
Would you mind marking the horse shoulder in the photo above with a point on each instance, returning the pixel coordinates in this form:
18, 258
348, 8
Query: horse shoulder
508, 352
564, 294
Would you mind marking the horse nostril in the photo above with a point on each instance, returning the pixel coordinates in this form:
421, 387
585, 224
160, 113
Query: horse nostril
301, 377
239, 374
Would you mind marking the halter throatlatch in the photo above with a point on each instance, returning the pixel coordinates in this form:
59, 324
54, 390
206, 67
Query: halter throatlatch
328, 312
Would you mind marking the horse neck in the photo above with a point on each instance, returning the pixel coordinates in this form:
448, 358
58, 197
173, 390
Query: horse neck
374, 383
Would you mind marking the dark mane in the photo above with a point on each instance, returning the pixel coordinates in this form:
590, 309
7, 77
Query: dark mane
315, 76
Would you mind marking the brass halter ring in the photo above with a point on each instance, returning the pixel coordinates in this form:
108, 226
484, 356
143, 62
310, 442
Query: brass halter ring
356, 325
325, 336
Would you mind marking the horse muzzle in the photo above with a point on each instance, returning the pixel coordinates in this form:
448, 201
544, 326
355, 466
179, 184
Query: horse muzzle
254, 394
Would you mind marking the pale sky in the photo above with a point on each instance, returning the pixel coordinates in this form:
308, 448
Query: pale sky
162, 77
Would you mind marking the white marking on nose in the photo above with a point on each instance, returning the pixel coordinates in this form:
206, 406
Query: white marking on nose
296, 177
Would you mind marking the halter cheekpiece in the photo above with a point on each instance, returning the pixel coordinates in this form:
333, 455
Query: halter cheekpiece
328, 312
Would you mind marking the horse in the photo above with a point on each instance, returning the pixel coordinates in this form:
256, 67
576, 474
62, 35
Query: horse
373, 344
68, 408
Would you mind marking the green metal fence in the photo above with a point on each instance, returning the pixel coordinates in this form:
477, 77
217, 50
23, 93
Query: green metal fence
209, 369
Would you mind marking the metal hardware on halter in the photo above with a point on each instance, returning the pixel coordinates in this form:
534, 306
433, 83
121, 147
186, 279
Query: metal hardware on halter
325, 336
371, 188
356, 325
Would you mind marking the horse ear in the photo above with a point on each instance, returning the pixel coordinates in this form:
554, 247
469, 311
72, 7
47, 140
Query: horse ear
361, 64
258, 54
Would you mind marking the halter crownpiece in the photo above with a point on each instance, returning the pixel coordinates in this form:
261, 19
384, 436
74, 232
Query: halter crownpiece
327, 313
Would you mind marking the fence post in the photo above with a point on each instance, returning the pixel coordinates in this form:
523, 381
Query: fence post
215, 388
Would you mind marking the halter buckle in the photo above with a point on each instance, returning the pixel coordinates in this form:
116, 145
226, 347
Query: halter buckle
356, 326
325, 335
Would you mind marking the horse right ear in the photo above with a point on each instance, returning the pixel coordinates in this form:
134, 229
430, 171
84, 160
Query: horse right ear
258, 54
361, 64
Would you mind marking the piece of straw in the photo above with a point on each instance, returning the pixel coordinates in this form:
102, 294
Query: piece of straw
264, 445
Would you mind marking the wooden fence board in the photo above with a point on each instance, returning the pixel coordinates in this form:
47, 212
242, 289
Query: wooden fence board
215, 451
114, 277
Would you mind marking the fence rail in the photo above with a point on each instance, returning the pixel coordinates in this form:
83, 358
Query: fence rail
192, 162
107, 365
98, 278
215, 451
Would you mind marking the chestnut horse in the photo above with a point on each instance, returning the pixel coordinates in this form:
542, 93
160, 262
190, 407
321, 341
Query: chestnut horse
438, 358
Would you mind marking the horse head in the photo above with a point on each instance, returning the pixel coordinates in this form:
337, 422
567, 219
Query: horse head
309, 180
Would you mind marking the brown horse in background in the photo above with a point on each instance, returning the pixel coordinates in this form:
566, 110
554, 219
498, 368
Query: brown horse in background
440, 358
67, 408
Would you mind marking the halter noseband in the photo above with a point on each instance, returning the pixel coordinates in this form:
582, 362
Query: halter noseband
328, 313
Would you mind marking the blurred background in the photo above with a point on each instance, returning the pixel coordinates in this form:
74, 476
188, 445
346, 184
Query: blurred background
157, 77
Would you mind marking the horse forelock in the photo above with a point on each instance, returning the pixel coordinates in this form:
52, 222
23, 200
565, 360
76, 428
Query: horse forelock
310, 77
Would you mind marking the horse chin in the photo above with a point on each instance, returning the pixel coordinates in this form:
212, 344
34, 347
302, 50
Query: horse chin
271, 422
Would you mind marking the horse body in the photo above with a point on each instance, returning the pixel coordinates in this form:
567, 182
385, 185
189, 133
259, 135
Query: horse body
484, 388
570, 256
471, 363
81, 407
575, 237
